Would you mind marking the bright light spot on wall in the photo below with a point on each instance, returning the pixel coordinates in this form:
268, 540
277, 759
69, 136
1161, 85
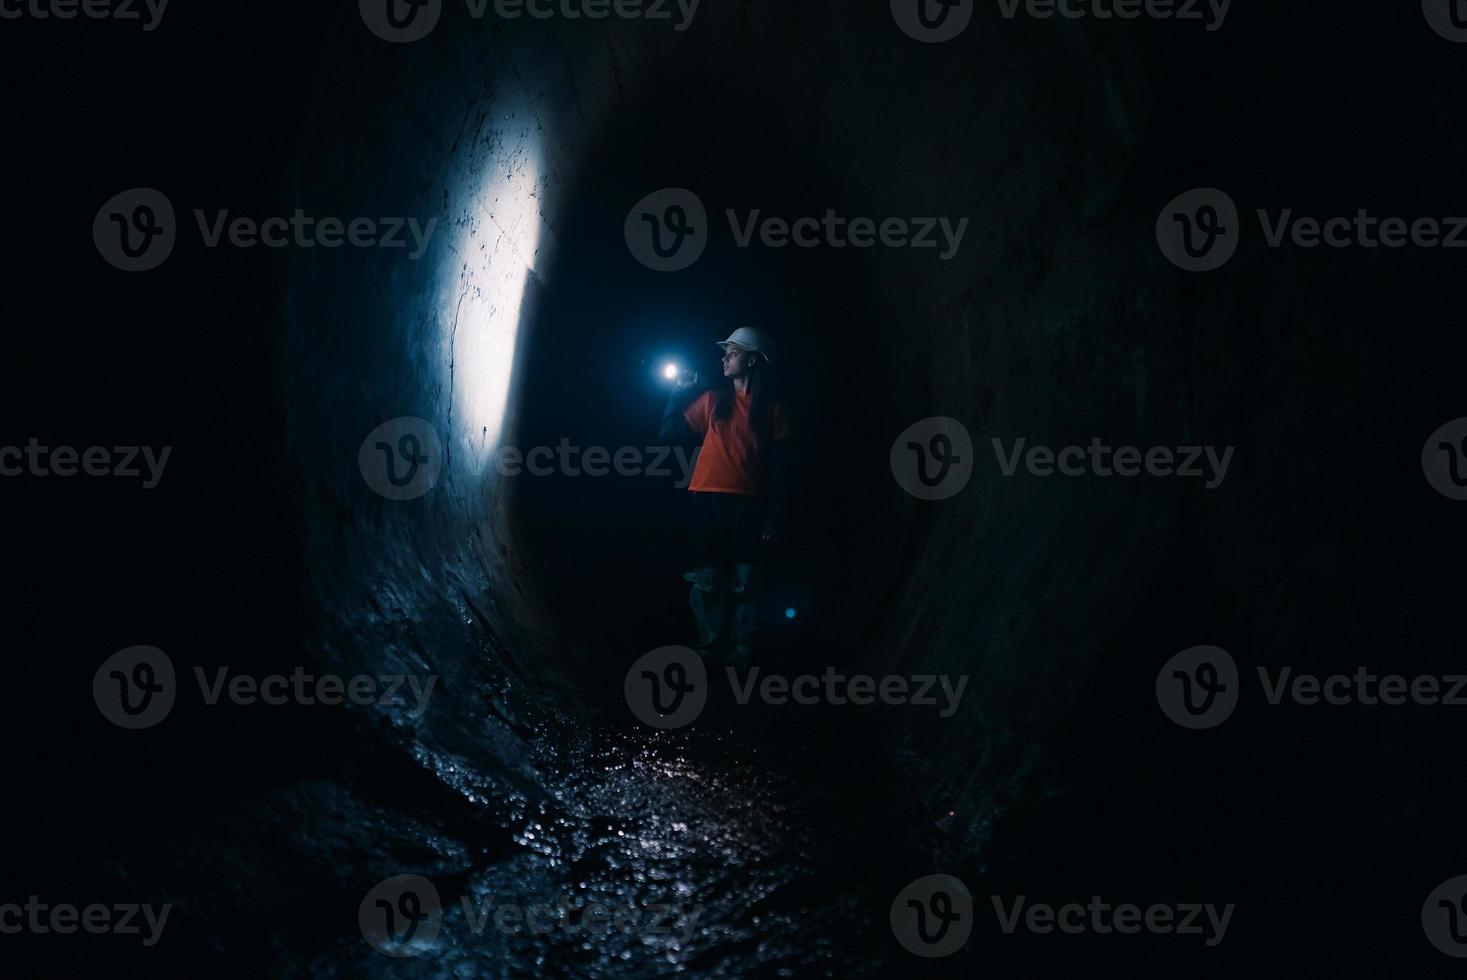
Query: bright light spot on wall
498, 247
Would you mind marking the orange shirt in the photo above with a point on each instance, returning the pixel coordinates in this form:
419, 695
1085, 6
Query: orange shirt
731, 460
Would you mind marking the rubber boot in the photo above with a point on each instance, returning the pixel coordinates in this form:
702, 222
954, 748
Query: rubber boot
710, 606
745, 592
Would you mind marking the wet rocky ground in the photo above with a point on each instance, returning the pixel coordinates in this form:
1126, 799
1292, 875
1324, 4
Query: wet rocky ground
759, 841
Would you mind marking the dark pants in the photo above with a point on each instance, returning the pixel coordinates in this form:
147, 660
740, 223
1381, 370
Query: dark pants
726, 531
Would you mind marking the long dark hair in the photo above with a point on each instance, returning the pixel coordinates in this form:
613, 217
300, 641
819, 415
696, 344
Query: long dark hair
761, 399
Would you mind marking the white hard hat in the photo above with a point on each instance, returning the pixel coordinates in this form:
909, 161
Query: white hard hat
751, 339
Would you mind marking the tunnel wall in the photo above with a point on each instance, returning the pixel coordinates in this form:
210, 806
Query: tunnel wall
476, 130
1056, 324
1047, 326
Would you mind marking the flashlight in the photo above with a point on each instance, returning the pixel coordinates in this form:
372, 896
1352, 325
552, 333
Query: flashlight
670, 372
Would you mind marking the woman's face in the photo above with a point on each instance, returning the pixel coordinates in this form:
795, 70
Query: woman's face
734, 361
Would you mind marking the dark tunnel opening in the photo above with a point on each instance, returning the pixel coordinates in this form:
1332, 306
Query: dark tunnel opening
528, 320
608, 554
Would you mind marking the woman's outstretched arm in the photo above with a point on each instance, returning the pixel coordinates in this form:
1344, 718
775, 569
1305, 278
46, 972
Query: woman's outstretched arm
674, 429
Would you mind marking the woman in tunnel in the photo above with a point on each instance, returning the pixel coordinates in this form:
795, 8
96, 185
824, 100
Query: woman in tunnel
737, 486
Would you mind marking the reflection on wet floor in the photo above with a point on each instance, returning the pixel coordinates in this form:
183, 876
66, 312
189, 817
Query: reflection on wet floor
736, 846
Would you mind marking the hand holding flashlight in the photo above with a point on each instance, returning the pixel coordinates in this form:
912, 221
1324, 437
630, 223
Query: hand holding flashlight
686, 379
